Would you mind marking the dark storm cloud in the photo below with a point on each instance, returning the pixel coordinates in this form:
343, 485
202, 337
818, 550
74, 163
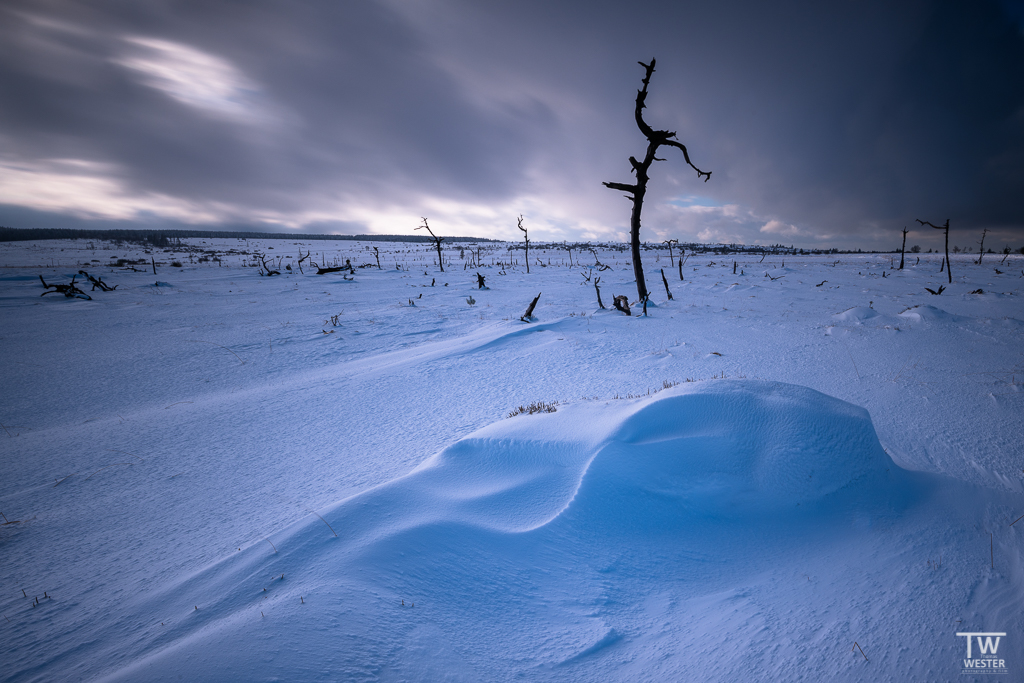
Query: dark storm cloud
358, 101
840, 121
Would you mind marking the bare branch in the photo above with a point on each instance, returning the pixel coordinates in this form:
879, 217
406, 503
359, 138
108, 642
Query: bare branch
621, 186
641, 101
673, 143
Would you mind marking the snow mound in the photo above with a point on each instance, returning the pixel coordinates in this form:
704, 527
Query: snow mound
928, 314
732, 447
536, 494
856, 313
717, 448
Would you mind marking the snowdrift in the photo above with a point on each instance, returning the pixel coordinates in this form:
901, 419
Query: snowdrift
926, 313
595, 500
856, 314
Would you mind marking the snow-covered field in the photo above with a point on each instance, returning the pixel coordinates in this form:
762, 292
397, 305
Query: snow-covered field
218, 476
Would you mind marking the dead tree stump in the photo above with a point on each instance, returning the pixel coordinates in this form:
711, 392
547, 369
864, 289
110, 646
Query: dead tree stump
529, 310
621, 303
903, 248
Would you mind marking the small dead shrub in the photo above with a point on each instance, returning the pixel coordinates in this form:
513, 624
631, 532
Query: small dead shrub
536, 407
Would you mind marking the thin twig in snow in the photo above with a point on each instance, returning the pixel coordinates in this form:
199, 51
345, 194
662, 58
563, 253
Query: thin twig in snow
325, 522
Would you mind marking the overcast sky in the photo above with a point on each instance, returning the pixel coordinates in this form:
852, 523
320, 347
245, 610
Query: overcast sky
823, 123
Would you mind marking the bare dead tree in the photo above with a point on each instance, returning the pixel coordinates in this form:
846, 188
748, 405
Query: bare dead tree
480, 281
665, 280
636, 191
97, 282
601, 267
269, 271
437, 243
70, 290
671, 260
376, 254
621, 303
302, 258
981, 247
904, 247
600, 303
526, 239
529, 309
946, 262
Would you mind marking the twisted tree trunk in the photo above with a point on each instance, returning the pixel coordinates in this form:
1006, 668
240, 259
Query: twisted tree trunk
636, 191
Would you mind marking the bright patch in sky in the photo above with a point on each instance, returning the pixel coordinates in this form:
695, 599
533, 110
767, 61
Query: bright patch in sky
192, 77
775, 227
694, 200
89, 189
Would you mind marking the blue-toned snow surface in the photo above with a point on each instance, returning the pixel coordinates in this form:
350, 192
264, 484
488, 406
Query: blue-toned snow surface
230, 477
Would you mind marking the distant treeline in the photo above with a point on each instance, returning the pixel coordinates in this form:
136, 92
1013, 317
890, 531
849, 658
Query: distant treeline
168, 238
164, 238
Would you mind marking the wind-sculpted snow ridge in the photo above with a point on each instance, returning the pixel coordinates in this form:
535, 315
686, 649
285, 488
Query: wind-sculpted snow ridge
720, 448
735, 450
539, 518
